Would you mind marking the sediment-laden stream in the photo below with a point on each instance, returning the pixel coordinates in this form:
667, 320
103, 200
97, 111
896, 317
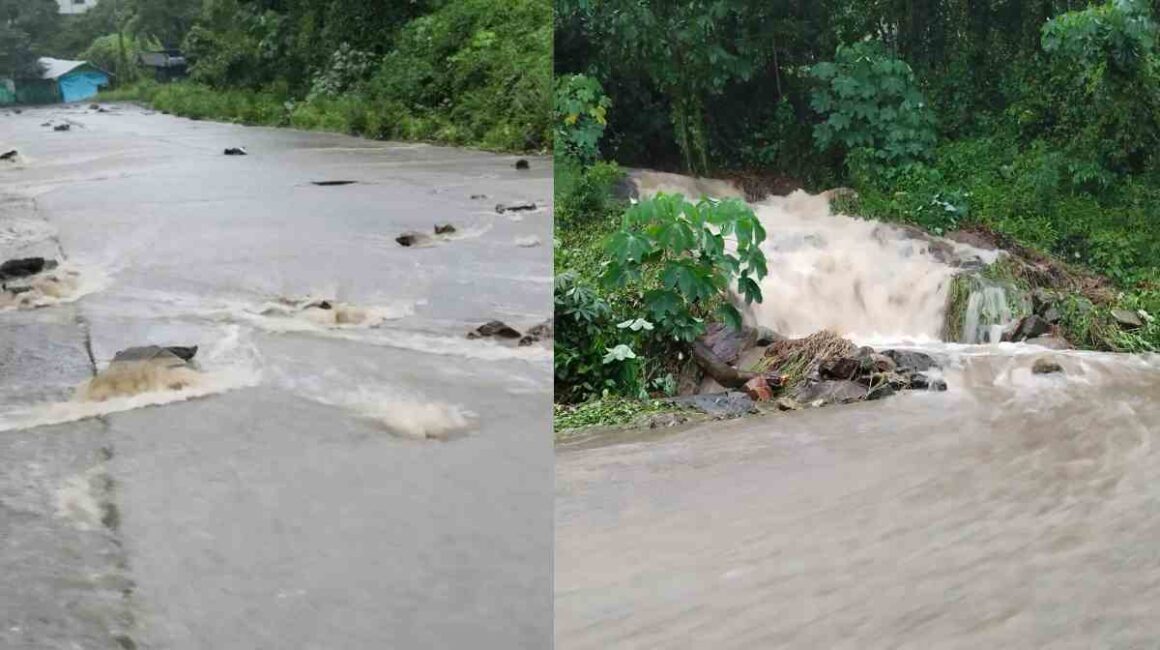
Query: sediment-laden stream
338, 466
1012, 510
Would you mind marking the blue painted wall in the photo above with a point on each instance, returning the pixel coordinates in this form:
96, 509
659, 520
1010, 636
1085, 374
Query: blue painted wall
79, 86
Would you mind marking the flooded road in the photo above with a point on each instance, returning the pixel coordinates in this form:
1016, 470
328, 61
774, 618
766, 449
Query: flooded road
377, 482
1015, 510
1011, 511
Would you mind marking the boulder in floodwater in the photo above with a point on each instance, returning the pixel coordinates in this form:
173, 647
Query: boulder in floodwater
9, 155
24, 267
1046, 366
537, 333
62, 127
515, 207
235, 151
444, 229
522, 164
144, 369
495, 328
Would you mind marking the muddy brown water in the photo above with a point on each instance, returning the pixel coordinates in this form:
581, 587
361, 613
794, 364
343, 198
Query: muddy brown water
1012, 511
289, 498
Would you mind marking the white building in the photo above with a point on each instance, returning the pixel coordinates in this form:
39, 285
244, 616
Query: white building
75, 6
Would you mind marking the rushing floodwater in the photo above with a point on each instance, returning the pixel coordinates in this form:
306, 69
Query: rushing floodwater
1013, 511
370, 481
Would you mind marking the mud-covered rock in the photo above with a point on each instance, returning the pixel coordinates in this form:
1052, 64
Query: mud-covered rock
1126, 319
1045, 366
495, 328
176, 354
514, 207
919, 381
827, 392
729, 404
910, 360
24, 267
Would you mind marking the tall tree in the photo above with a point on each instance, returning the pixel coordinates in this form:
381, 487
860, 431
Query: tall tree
26, 28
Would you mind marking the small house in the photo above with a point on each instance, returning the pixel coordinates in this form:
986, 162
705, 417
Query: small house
62, 81
167, 65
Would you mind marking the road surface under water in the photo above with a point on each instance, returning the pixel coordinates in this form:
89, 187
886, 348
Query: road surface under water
1012, 511
293, 500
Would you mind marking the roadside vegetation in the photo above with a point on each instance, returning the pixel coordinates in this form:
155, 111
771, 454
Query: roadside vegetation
1032, 125
470, 72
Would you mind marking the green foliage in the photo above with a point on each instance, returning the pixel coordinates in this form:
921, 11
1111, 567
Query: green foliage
347, 69
584, 191
609, 411
685, 245
871, 103
475, 71
579, 115
1100, 98
26, 26
118, 55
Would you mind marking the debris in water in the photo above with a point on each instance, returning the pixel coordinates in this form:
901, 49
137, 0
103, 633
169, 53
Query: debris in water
9, 155
494, 328
62, 127
332, 183
515, 207
522, 164
235, 151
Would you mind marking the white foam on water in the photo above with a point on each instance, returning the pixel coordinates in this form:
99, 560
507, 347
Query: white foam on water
66, 284
229, 363
400, 412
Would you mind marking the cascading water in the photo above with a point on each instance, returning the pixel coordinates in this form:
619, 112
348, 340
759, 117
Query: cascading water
1010, 511
860, 278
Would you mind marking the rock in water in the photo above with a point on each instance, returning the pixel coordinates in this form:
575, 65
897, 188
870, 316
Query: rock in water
841, 368
919, 381
831, 392
413, 239
235, 151
537, 333
522, 164
94, 106
9, 155
175, 355
444, 229
1030, 327
910, 360
514, 207
1045, 366
494, 328
24, 267
62, 127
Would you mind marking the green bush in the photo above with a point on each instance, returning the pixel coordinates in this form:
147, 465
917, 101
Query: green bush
1100, 96
580, 110
473, 72
684, 245
872, 102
